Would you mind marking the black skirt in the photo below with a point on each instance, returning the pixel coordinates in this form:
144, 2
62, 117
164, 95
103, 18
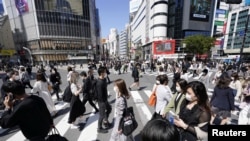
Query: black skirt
76, 108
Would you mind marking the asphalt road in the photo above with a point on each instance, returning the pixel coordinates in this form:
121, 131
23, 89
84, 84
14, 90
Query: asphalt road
88, 129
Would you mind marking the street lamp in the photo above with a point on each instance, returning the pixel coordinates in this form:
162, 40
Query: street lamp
31, 59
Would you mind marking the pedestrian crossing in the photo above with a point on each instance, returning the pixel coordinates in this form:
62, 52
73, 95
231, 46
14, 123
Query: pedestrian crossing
138, 100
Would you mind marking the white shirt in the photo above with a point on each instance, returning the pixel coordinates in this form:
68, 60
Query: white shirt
163, 96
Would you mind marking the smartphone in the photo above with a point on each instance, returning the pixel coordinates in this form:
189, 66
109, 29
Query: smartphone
174, 115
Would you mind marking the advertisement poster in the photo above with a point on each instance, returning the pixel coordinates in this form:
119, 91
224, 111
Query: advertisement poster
22, 6
200, 10
164, 47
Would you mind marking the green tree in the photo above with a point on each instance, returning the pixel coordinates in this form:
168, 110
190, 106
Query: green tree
198, 44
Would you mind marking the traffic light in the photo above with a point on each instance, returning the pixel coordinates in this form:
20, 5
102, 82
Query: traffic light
233, 1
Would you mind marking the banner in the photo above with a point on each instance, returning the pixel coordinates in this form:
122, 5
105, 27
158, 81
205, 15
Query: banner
163, 47
22, 6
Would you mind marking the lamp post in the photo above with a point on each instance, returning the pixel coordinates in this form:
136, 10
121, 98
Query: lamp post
31, 59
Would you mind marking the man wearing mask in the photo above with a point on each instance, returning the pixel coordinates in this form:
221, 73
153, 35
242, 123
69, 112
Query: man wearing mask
34, 125
102, 99
87, 85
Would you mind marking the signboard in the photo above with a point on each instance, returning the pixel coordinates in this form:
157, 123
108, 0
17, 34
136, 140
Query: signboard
221, 11
200, 10
219, 23
163, 47
22, 6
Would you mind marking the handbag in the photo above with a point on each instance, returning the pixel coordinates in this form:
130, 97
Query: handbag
54, 135
152, 98
128, 122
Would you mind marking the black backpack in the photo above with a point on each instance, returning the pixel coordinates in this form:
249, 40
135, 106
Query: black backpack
92, 91
67, 94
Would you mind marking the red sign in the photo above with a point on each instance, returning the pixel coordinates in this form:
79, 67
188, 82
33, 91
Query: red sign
163, 47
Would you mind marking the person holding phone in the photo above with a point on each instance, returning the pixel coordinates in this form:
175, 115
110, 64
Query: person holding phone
34, 125
195, 113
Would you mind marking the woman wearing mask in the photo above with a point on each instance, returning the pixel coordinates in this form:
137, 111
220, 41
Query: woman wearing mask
235, 84
122, 94
177, 99
76, 107
222, 101
163, 96
41, 88
195, 114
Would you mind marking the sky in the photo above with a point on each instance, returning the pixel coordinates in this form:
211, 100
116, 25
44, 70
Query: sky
113, 14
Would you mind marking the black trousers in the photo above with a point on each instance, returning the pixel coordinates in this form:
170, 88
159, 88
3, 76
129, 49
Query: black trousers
104, 111
85, 100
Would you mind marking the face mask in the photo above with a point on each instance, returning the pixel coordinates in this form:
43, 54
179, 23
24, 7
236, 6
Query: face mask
17, 77
188, 97
116, 89
178, 89
232, 78
157, 82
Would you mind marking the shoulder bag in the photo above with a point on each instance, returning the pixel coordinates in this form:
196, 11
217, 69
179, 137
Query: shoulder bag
128, 122
54, 135
152, 98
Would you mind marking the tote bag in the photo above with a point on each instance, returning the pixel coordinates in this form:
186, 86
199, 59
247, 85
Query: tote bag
152, 98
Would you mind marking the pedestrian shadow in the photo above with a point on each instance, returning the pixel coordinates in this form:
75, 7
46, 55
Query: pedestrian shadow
144, 87
62, 112
89, 120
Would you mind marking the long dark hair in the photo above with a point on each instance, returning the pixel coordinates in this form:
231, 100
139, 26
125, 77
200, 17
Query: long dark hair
200, 92
121, 85
183, 84
224, 81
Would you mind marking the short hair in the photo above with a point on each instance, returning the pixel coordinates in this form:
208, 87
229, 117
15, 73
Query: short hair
69, 69
101, 70
159, 130
83, 73
15, 87
163, 79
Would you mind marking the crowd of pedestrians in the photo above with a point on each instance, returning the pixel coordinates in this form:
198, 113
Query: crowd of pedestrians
184, 108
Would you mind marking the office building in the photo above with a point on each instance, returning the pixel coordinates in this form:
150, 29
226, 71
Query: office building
123, 44
53, 30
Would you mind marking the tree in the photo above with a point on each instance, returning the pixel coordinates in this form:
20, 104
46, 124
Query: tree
198, 44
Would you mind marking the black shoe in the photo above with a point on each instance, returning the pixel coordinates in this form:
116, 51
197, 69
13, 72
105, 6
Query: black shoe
100, 130
107, 125
129, 88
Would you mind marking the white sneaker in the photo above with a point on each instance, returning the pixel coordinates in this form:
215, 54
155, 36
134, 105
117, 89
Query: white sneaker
73, 126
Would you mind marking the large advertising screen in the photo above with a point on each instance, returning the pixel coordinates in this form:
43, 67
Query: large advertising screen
200, 10
164, 47
22, 6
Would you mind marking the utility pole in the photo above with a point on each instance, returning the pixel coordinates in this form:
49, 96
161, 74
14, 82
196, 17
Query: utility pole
243, 42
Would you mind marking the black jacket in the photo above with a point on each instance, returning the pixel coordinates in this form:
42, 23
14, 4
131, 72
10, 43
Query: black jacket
87, 85
102, 92
31, 115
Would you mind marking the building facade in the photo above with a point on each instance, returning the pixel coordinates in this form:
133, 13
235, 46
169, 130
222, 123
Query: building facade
237, 20
113, 43
123, 44
52, 30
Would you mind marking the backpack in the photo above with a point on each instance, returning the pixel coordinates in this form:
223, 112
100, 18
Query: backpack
92, 91
67, 94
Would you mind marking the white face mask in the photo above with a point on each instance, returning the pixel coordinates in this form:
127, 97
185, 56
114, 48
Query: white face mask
232, 78
188, 97
17, 77
157, 82
178, 89
116, 89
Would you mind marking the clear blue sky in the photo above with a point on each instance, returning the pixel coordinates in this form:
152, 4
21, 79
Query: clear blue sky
113, 14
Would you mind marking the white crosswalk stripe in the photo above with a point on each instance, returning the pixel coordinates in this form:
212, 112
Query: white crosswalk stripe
89, 132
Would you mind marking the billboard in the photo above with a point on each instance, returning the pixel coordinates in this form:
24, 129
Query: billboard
163, 47
22, 6
200, 10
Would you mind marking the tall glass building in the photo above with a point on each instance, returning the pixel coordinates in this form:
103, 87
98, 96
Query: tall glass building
51, 30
